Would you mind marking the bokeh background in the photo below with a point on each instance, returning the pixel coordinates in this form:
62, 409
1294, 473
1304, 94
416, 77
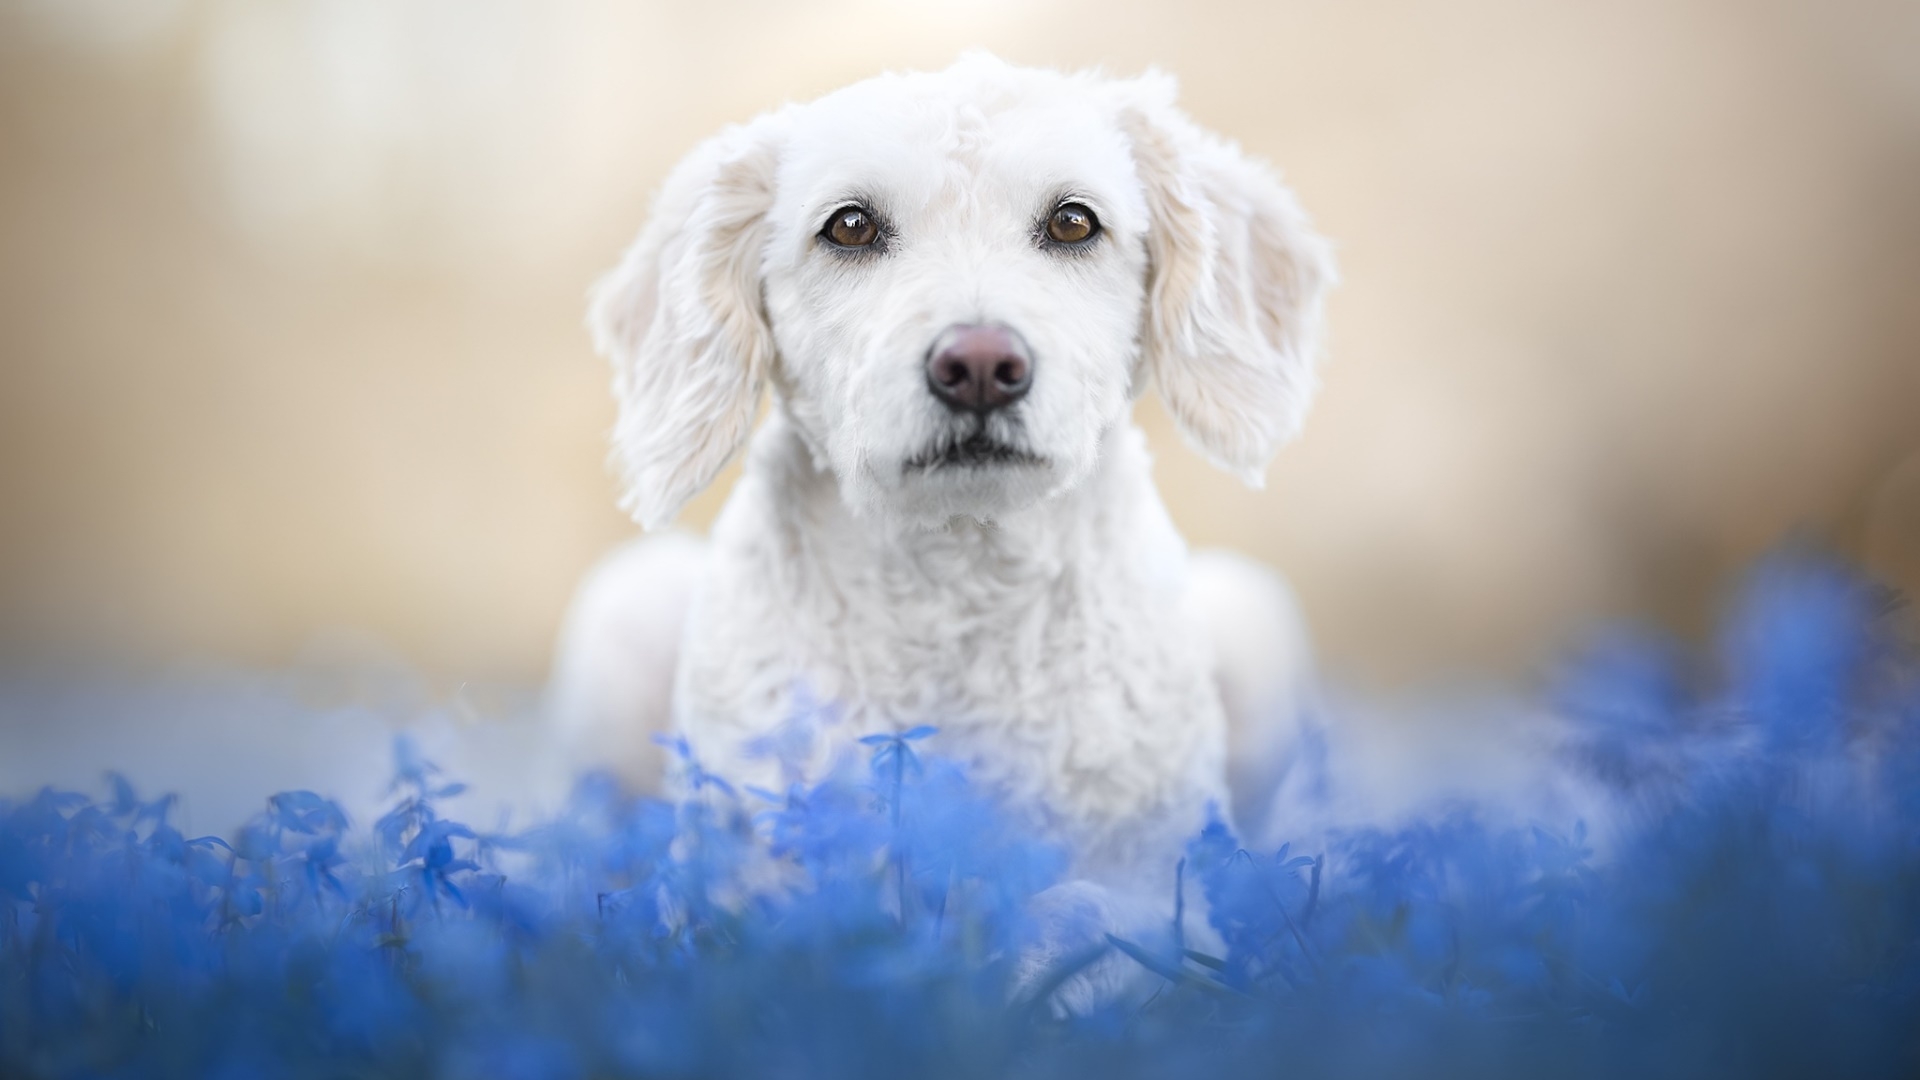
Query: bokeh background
291, 298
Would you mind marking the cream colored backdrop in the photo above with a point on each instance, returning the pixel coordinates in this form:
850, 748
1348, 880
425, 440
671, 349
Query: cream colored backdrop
290, 301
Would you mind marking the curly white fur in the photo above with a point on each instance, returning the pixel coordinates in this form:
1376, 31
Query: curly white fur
1040, 613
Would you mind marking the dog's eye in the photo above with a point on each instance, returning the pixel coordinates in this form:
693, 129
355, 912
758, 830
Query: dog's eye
851, 227
1072, 224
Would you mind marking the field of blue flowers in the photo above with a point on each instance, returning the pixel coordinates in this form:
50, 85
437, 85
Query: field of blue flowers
1756, 914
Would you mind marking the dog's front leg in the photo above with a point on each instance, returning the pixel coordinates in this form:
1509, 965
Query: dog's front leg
611, 690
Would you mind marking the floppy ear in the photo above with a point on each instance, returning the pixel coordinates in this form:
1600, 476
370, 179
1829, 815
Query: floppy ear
682, 322
1236, 285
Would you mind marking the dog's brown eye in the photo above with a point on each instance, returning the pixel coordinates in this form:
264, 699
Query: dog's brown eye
852, 227
1072, 224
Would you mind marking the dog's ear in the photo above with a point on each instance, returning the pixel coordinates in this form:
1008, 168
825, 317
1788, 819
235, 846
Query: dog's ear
1237, 281
681, 320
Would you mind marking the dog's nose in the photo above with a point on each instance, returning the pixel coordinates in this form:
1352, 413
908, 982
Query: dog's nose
975, 368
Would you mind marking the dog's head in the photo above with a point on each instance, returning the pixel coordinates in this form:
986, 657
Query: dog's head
956, 283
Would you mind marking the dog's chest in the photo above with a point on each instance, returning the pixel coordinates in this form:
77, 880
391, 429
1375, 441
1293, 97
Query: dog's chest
1072, 682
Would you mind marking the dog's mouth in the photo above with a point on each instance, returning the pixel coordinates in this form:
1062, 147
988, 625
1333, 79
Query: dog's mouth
975, 450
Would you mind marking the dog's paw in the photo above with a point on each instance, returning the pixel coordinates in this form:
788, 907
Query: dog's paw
1071, 968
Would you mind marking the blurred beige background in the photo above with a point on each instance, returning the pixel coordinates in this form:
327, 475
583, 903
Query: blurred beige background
291, 293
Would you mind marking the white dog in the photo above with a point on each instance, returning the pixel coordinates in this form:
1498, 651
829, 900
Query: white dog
955, 285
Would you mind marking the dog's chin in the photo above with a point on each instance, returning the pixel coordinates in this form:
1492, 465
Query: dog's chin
976, 477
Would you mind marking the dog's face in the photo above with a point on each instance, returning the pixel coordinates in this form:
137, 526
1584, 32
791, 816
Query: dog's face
955, 283
908, 220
